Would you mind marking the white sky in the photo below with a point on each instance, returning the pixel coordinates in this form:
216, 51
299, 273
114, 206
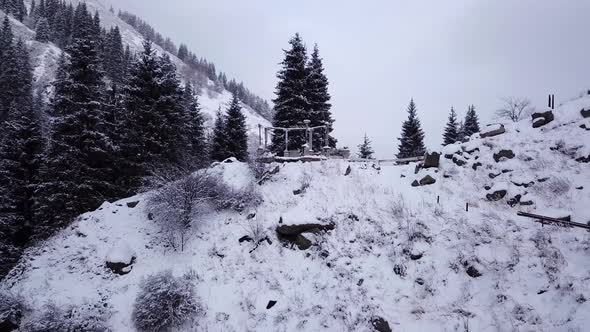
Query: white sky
379, 54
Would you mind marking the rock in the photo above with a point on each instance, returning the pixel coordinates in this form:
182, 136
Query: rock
376, 167
476, 165
580, 188
417, 168
508, 154
230, 160
492, 130
297, 192
431, 160
292, 233
301, 241
415, 183
487, 187
496, 195
585, 113
245, 238
526, 203
360, 282
458, 160
348, 170
427, 180
419, 281
380, 325
514, 200
473, 272
542, 179
523, 184
542, 118
492, 175
251, 216
132, 204
400, 270
416, 257
583, 159
271, 304
120, 258
150, 216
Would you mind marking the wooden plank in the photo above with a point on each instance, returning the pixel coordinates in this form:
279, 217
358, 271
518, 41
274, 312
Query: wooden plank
544, 219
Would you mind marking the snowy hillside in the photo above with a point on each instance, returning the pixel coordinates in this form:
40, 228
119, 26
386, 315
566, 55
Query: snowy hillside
45, 57
388, 251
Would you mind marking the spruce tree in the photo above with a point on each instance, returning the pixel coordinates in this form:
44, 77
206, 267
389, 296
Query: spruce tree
236, 133
218, 143
194, 130
451, 134
291, 105
318, 98
78, 170
412, 136
471, 124
9, 70
42, 33
365, 149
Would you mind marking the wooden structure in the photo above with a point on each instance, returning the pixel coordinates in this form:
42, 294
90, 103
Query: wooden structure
544, 220
308, 146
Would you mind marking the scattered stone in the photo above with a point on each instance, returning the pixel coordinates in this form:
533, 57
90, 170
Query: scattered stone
420, 281
120, 258
417, 168
523, 184
542, 179
245, 238
416, 257
585, 113
492, 175
324, 254
584, 159
514, 200
580, 188
487, 187
415, 183
251, 216
360, 282
427, 180
132, 204
492, 130
348, 170
583, 125
150, 216
458, 160
353, 217
508, 154
293, 233
271, 304
496, 195
402, 176
376, 167
542, 118
473, 272
431, 160
542, 291
297, 192
526, 203
476, 165
380, 325
400, 270
229, 160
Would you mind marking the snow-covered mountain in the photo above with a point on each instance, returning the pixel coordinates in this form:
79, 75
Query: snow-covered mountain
46, 55
388, 254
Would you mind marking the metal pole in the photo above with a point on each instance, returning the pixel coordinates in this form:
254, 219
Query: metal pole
259, 134
286, 142
265, 138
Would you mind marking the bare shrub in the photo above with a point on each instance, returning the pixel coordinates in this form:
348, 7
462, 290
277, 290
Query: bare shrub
84, 318
515, 109
165, 302
555, 186
255, 230
398, 207
439, 210
225, 197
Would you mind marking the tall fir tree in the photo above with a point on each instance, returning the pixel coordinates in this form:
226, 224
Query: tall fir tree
318, 98
291, 105
78, 170
9, 70
471, 124
218, 142
42, 33
451, 134
194, 130
235, 131
412, 136
365, 149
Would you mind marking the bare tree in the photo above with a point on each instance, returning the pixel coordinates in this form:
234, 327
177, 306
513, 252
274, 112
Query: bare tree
515, 109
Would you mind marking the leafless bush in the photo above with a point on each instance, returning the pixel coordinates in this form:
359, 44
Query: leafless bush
83, 318
225, 197
165, 302
555, 186
258, 168
439, 210
399, 208
515, 109
255, 230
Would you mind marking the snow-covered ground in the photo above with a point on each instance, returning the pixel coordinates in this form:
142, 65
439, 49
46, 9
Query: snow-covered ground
393, 253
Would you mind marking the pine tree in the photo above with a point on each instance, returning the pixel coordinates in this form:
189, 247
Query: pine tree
412, 137
195, 130
78, 170
291, 105
183, 52
451, 134
42, 33
365, 149
236, 133
9, 70
218, 143
471, 124
318, 98
114, 61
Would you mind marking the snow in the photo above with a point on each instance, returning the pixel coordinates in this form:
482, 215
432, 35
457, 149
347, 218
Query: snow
120, 253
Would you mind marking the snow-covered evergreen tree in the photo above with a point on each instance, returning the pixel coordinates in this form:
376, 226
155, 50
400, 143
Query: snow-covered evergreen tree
412, 136
218, 143
291, 104
236, 133
195, 130
42, 33
318, 98
471, 124
365, 149
9, 70
78, 170
451, 134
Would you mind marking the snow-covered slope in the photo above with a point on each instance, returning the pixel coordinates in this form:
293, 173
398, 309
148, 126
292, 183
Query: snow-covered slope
46, 55
394, 252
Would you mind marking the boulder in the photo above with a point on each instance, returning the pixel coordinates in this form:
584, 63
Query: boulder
496, 195
473, 272
542, 118
380, 324
476, 165
431, 160
492, 175
427, 180
120, 259
132, 204
293, 233
458, 160
415, 183
503, 154
492, 130
585, 113
271, 304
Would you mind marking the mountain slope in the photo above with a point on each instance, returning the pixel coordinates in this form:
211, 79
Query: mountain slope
46, 55
394, 253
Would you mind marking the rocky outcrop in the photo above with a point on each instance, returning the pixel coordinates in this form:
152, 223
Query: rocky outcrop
492, 130
542, 118
496, 195
427, 180
293, 233
503, 154
431, 160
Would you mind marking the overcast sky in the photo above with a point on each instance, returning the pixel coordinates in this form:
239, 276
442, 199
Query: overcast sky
379, 54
